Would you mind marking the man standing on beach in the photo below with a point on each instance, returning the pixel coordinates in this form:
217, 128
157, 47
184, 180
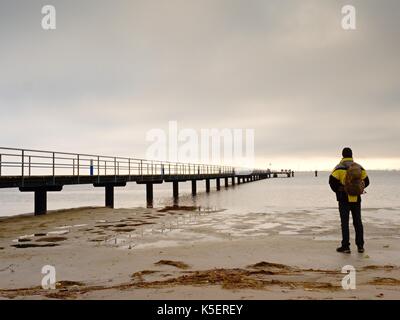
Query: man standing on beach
348, 180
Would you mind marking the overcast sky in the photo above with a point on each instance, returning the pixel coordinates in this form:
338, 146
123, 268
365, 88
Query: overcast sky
112, 70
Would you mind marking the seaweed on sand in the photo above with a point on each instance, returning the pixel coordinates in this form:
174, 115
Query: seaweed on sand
177, 264
385, 281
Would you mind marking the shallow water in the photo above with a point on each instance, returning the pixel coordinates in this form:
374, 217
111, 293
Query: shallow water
303, 205
303, 193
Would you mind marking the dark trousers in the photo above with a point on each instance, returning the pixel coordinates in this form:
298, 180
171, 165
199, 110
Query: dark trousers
355, 208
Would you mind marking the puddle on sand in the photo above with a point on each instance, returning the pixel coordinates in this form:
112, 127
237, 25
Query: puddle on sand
33, 245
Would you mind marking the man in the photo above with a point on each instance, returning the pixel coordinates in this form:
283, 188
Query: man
348, 181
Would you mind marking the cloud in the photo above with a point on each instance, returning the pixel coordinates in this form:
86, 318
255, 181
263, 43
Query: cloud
114, 70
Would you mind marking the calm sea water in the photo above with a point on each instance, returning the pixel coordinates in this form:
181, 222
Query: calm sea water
304, 192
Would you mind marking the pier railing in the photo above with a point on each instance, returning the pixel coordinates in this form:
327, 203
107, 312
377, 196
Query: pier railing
28, 162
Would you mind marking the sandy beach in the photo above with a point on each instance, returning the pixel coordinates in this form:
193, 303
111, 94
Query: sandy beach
189, 253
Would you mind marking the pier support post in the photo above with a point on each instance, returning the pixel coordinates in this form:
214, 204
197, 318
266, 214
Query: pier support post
40, 202
238, 180
109, 188
194, 187
218, 184
175, 189
149, 194
110, 196
233, 181
207, 185
40, 197
226, 182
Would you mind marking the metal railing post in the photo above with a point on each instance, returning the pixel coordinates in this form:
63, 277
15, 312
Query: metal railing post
129, 168
77, 168
98, 169
29, 165
22, 166
54, 168
115, 168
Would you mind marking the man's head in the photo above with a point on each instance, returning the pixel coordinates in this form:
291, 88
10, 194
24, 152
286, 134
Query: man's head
347, 153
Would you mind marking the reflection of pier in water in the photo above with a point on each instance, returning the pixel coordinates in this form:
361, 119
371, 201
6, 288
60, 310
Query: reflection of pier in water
40, 172
179, 218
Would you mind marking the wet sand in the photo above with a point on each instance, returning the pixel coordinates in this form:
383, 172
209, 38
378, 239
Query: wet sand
191, 253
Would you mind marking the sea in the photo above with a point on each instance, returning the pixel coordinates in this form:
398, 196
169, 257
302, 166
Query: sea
302, 205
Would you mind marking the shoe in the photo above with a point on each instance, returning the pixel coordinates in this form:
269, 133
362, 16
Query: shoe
361, 249
343, 249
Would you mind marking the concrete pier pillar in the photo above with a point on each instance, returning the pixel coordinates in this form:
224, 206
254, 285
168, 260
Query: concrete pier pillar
149, 194
40, 196
110, 196
233, 181
194, 187
217, 181
40, 202
207, 185
175, 189
238, 180
226, 182
109, 191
